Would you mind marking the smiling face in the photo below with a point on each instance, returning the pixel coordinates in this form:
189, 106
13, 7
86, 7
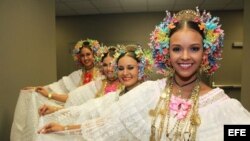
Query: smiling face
87, 58
186, 52
128, 71
108, 68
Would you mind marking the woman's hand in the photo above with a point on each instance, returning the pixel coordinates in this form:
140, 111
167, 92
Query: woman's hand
46, 109
42, 91
51, 127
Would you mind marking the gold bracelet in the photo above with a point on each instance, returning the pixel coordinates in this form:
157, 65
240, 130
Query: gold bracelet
56, 109
49, 95
66, 128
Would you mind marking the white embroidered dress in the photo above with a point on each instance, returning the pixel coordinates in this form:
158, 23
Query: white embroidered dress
26, 113
128, 119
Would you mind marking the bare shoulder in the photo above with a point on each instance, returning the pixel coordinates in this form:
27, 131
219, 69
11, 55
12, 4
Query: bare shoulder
204, 89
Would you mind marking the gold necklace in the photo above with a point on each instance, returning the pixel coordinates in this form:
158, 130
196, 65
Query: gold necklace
162, 111
101, 92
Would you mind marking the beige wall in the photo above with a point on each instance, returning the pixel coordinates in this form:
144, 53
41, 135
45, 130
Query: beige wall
232, 57
245, 95
230, 71
27, 52
135, 28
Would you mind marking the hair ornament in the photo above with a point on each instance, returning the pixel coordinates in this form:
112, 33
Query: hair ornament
212, 42
143, 55
92, 44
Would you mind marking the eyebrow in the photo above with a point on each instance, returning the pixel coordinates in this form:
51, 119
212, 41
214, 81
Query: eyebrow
189, 45
128, 65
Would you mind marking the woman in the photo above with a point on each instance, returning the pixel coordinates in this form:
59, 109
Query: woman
56, 93
180, 107
85, 53
94, 89
131, 65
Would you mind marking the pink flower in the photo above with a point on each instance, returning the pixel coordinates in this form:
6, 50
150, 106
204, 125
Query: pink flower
179, 107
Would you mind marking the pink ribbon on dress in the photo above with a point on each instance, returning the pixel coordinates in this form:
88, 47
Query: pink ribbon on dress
110, 88
179, 107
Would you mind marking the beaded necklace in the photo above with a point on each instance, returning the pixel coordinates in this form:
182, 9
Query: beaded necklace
162, 112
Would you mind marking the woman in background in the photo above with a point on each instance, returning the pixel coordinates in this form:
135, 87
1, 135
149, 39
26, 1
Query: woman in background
30, 99
95, 88
132, 65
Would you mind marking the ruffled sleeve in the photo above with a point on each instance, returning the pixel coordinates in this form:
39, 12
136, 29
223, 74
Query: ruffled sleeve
67, 83
83, 93
219, 112
21, 109
128, 118
77, 114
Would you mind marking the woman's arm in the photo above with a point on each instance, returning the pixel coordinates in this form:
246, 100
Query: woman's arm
55, 127
47, 109
55, 96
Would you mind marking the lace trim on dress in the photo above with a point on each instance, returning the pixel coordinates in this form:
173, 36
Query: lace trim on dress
212, 96
128, 118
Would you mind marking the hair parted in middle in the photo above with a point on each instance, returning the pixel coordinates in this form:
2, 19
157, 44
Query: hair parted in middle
206, 25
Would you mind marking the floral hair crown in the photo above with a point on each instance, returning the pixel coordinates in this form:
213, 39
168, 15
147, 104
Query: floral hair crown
102, 51
93, 44
212, 42
143, 55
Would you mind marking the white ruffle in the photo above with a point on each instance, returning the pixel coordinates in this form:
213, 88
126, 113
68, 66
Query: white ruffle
132, 122
26, 113
77, 114
20, 114
218, 113
80, 102
83, 93
67, 83
128, 119
57, 87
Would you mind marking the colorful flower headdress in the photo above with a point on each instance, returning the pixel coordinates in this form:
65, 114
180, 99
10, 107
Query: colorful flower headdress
143, 55
102, 51
93, 44
212, 43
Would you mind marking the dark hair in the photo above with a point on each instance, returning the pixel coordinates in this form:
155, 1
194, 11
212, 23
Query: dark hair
192, 25
110, 53
87, 45
130, 52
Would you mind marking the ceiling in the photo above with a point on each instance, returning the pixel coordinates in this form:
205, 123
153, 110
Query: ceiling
90, 7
